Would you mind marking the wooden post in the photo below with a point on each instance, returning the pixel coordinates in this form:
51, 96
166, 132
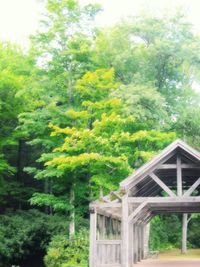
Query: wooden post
179, 177
93, 231
125, 233
136, 244
184, 233
131, 244
139, 243
142, 240
146, 239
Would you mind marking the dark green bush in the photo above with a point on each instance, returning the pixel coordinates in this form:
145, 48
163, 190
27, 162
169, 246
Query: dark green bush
65, 252
24, 236
165, 232
194, 232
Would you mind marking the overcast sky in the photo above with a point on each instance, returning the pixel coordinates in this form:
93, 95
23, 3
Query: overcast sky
19, 18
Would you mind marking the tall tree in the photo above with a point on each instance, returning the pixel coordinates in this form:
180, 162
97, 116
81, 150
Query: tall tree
16, 68
162, 53
63, 50
101, 147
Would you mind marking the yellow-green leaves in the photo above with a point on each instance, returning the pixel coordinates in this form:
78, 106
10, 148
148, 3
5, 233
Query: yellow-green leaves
96, 85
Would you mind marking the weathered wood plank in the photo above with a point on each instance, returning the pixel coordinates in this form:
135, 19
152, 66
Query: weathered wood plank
125, 233
174, 166
93, 229
137, 210
109, 242
179, 177
192, 188
168, 152
164, 199
162, 185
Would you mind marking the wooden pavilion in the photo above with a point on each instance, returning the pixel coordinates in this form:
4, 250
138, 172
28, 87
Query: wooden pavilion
169, 183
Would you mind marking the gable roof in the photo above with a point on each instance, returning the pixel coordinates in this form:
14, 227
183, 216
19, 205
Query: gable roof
164, 155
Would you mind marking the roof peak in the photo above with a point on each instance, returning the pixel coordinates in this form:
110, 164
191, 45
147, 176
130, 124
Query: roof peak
125, 184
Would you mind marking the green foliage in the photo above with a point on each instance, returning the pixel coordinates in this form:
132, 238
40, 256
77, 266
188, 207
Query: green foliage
101, 146
24, 236
16, 68
63, 252
193, 232
80, 111
159, 53
165, 232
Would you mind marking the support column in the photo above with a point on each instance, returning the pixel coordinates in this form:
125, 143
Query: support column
125, 233
146, 239
179, 177
136, 244
142, 233
93, 234
131, 244
139, 243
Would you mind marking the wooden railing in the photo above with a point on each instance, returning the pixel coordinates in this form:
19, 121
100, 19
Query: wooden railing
108, 253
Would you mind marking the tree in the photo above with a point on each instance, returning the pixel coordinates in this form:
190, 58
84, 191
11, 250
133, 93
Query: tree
101, 147
161, 53
16, 68
62, 50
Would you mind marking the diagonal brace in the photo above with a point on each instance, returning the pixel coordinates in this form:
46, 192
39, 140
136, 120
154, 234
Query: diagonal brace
137, 210
192, 188
162, 185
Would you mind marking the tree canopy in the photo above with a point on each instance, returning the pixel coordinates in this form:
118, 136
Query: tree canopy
82, 109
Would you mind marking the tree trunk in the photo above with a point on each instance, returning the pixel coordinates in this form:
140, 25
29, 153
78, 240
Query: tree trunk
46, 191
184, 233
19, 166
72, 213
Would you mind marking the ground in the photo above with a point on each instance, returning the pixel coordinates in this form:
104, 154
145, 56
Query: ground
173, 258
169, 263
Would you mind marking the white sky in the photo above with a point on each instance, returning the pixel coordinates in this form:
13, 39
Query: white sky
19, 18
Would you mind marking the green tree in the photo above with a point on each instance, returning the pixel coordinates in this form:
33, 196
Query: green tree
62, 49
161, 53
101, 147
15, 76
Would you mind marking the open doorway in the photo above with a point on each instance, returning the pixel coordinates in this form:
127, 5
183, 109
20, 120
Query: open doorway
175, 235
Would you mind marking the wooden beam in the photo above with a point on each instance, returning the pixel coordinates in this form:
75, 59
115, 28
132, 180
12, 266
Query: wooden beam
168, 152
162, 185
174, 166
104, 199
142, 172
179, 177
137, 210
136, 243
192, 188
158, 200
140, 216
106, 205
106, 213
125, 233
109, 242
93, 233
116, 195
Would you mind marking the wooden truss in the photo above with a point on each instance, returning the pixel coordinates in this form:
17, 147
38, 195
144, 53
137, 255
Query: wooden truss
169, 183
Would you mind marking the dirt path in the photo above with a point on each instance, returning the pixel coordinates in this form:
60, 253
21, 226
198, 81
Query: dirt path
169, 263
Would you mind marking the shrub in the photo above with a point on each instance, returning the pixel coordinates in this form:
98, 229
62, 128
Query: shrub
24, 236
165, 232
65, 252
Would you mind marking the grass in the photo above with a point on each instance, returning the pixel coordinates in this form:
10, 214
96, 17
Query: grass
176, 254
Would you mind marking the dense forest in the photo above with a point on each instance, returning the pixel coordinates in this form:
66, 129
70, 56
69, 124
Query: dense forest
79, 111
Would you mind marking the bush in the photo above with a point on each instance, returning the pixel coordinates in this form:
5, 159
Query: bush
165, 232
65, 252
194, 232
24, 236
